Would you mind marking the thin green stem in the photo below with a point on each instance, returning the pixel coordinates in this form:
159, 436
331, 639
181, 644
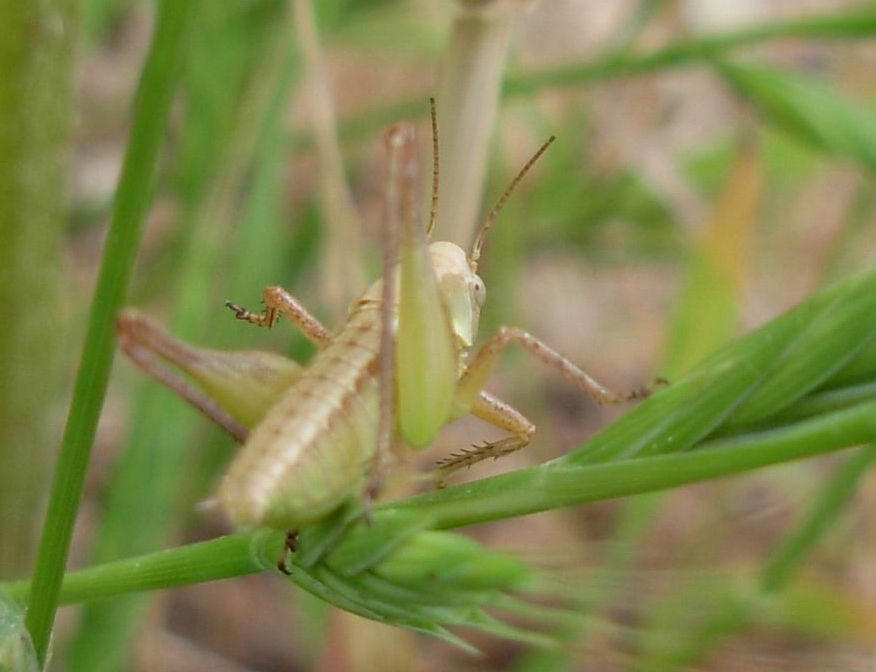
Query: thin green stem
687, 52
151, 109
553, 486
213, 560
545, 487
658, 445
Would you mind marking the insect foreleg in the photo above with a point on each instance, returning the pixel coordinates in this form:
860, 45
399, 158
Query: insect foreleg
481, 366
280, 302
495, 411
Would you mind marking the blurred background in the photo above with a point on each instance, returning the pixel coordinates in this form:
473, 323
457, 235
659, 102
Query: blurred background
714, 165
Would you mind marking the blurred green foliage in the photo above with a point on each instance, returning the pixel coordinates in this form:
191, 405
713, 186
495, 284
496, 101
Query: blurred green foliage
243, 213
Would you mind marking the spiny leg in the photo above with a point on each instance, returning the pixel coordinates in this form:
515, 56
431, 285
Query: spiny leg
501, 414
470, 395
280, 302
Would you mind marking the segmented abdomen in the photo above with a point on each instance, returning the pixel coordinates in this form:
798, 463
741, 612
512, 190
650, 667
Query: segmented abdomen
313, 448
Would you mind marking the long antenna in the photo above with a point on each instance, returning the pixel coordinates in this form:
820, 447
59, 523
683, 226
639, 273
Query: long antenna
433, 212
488, 222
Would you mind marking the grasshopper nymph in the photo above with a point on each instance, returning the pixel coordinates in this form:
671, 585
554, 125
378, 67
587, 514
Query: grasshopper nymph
401, 361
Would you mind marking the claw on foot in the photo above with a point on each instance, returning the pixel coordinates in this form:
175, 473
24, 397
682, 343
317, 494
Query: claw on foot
289, 546
263, 319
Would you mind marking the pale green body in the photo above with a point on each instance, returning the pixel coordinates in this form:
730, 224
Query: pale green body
314, 447
312, 450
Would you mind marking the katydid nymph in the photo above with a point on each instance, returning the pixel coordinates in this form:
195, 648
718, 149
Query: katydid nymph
398, 370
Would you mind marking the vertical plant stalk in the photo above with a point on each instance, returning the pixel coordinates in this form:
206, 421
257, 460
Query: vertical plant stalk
468, 99
343, 275
151, 109
36, 43
217, 184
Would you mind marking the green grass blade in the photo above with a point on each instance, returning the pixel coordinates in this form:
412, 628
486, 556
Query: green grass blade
521, 492
211, 166
707, 309
553, 485
151, 109
750, 378
571, 480
812, 112
689, 52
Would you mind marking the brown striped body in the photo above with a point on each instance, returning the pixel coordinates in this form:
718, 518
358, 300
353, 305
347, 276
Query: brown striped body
312, 450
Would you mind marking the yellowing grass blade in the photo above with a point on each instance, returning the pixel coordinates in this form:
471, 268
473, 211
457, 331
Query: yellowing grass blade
707, 313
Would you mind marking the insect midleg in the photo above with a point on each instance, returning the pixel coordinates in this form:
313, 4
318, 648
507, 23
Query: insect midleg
501, 414
478, 371
280, 302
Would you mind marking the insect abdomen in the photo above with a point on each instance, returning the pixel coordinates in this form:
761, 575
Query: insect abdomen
312, 450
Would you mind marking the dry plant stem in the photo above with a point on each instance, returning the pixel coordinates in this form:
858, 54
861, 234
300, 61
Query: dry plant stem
468, 99
343, 273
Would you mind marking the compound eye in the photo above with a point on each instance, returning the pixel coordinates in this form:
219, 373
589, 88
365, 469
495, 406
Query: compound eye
479, 290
